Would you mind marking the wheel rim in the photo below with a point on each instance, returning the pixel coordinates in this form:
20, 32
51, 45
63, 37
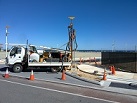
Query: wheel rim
18, 68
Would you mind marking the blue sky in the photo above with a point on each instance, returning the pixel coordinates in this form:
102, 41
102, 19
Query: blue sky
98, 23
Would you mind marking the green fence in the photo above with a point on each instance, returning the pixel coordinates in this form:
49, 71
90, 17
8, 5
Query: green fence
123, 60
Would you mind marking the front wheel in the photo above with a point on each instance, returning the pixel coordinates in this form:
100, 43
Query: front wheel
55, 69
17, 68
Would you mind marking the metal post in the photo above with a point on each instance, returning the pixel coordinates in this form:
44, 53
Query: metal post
7, 40
71, 45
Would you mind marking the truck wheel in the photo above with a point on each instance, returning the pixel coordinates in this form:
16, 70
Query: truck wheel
54, 69
17, 68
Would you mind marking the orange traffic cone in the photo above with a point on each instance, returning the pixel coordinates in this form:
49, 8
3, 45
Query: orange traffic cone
113, 70
63, 75
31, 75
110, 68
6, 74
104, 76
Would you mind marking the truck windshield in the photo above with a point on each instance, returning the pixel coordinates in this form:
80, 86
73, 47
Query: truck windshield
33, 48
15, 50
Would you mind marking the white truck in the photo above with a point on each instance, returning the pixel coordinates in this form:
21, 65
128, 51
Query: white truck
27, 57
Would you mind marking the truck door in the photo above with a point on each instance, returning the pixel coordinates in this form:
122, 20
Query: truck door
15, 55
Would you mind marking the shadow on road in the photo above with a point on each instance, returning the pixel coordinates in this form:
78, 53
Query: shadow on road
3, 68
123, 85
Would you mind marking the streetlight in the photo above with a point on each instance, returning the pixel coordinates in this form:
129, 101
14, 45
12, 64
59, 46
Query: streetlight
7, 39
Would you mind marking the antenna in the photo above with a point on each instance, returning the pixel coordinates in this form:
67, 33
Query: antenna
71, 18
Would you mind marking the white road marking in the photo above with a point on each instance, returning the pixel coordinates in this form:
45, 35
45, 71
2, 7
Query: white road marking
57, 91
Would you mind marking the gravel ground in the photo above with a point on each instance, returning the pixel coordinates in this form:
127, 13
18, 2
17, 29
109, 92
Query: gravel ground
82, 74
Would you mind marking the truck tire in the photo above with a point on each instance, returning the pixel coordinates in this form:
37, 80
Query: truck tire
17, 68
54, 69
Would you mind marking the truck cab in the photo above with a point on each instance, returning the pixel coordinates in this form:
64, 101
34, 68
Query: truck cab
16, 55
15, 58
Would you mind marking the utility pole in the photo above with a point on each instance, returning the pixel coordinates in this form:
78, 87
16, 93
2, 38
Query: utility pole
7, 39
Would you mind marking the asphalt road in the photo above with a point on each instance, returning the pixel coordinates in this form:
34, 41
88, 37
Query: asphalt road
20, 90
17, 92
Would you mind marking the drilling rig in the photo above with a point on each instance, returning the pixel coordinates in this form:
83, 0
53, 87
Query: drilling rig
72, 44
